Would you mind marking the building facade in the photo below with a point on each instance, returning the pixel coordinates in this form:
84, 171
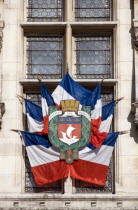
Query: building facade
93, 39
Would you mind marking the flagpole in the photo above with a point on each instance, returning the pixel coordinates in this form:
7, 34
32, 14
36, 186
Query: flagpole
119, 99
67, 67
40, 81
123, 132
19, 96
15, 130
101, 81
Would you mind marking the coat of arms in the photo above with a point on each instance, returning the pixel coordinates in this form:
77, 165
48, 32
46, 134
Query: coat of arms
69, 129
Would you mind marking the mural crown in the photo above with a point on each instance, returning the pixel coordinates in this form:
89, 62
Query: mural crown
69, 105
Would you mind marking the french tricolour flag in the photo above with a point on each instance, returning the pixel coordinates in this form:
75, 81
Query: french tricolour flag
98, 136
44, 159
69, 89
93, 163
47, 100
46, 167
34, 117
107, 116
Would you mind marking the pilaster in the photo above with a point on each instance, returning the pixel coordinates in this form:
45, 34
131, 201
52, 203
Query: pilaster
2, 105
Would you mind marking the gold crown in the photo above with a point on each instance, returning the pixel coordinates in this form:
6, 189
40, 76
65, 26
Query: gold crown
69, 105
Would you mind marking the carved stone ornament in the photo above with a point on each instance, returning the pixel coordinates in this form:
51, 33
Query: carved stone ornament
135, 110
2, 110
136, 38
1, 36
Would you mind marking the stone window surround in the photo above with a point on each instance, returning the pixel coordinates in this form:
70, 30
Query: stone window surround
66, 29
135, 103
2, 105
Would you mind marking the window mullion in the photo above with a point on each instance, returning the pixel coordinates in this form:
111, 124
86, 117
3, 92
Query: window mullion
69, 11
68, 49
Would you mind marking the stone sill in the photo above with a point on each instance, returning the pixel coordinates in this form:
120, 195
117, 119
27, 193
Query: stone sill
93, 27
43, 27
32, 85
59, 27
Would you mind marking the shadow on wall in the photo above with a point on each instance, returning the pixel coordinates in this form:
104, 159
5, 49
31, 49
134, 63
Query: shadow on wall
134, 129
131, 116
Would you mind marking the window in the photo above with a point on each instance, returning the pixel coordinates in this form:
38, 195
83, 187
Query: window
93, 10
86, 48
93, 57
45, 10
44, 57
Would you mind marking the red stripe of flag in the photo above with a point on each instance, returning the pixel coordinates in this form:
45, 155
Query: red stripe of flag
50, 172
88, 171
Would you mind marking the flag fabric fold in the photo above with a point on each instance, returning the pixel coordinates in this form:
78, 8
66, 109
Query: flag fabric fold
69, 89
46, 100
44, 159
34, 117
46, 166
100, 133
107, 116
93, 163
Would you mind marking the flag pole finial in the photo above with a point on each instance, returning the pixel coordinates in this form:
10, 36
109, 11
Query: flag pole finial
119, 99
124, 132
15, 130
39, 79
18, 96
101, 81
67, 67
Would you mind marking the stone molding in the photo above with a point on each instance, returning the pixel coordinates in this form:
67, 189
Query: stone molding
1, 33
68, 202
135, 104
2, 106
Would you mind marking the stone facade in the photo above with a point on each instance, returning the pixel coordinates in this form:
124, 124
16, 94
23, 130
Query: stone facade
13, 25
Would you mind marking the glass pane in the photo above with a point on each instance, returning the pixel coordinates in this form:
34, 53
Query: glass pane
45, 10
44, 57
30, 187
86, 187
93, 57
93, 10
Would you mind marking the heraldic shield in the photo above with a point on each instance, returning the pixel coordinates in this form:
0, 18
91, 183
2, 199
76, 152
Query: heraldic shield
69, 129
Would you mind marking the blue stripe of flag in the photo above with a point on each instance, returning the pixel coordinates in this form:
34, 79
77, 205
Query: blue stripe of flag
46, 94
91, 99
108, 110
86, 97
73, 88
35, 139
109, 141
33, 110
